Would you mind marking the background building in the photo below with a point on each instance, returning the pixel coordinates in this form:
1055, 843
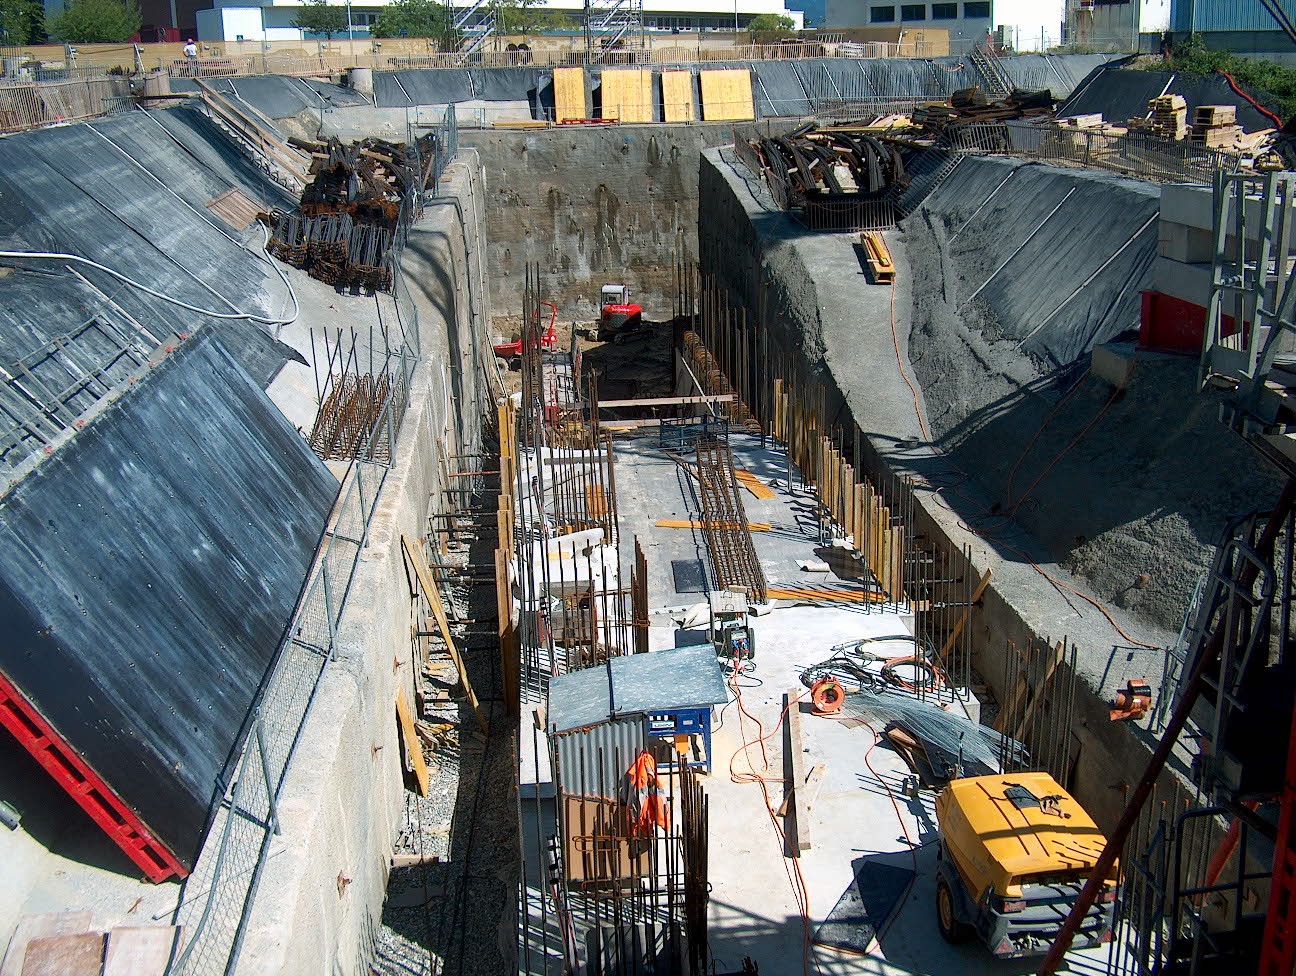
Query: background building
1246, 27
1103, 24
966, 20
271, 20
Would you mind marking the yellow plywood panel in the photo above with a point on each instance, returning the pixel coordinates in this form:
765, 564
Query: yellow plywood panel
677, 96
727, 95
627, 94
569, 94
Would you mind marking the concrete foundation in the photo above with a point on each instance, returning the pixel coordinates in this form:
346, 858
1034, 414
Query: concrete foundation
593, 205
320, 900
811, 293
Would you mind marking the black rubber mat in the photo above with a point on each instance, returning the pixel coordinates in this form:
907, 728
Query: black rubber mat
689, 575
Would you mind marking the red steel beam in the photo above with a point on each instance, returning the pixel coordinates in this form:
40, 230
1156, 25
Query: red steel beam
91, 793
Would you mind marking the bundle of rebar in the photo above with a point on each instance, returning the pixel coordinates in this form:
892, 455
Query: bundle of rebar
969, 105
353, 209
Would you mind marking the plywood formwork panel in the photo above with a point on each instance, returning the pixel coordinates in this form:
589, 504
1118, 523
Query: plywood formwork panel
727, 95
569, 94
627, 94
677, 96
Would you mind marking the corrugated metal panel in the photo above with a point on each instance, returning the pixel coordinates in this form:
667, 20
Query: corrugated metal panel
1225, 15
592, 761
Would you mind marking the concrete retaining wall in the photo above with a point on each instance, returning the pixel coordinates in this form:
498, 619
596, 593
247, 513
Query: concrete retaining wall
592, 206
810, 292
320, 900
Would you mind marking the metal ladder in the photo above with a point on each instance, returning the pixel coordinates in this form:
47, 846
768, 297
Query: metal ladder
997, 82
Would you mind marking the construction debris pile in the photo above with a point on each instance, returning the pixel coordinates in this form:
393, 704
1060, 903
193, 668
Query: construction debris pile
971, 105
353, 210
836, 160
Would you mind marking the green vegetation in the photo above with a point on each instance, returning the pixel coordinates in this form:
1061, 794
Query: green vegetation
524, 17
96, 21
1191, 56
412, 18
21, 22
771, 22
318, 17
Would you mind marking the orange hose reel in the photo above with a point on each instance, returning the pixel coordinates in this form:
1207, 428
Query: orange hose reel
827, 696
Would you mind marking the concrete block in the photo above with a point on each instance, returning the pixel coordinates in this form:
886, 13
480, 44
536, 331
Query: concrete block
1194, 206
1190, 282
1183, 243
1190, 205
1113, 362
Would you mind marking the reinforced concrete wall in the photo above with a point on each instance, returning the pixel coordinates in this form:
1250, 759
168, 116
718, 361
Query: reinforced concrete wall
615, 204
320, 901
810, 291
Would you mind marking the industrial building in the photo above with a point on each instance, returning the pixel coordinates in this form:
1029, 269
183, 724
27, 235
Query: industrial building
756, 513
967, 22
1259, 28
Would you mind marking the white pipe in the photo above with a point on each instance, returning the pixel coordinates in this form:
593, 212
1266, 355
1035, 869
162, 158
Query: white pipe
78, 259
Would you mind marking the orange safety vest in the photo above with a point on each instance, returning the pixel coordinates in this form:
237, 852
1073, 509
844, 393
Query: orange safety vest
647, 806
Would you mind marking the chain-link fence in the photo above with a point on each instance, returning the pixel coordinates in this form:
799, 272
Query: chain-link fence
1132, 153
218, 896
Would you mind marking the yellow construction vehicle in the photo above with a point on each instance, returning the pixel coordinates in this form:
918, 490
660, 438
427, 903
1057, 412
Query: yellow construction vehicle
1015, 850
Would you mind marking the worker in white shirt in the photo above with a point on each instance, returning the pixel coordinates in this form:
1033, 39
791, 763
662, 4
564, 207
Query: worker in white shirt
190, 50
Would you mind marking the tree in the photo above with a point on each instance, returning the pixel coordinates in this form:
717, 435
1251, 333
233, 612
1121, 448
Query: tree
771, 22
21, 22
319, 17
524, 17
96, 21
416, 18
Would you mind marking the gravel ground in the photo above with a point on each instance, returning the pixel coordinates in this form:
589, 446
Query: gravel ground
457, 917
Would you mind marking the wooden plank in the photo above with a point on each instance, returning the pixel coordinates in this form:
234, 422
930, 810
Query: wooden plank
814, 780
39, 927
433, 597
753, 484
510, 663
569, 94
141, 950
410, 740
963, 617
727, 95
595, 501
627, 94
65, 955
677, 96
1041, 689
665, 523
671, 401
796, 757
1018, 694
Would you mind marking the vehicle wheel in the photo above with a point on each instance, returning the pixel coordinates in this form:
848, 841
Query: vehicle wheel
951, 929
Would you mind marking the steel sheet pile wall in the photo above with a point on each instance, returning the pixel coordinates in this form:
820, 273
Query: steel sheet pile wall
150, 568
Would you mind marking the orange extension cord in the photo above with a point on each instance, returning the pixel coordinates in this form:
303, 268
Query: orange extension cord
988, 534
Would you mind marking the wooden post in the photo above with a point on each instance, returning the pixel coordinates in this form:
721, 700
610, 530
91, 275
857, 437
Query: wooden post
796, 757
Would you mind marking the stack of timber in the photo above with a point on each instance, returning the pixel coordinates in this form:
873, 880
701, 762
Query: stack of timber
1215, 126
353, 209
1169, 116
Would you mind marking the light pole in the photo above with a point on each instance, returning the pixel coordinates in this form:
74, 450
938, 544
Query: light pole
350, 29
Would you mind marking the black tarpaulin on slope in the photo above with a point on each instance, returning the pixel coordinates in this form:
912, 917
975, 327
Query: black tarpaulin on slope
1120, 94
149, 569
113, 200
